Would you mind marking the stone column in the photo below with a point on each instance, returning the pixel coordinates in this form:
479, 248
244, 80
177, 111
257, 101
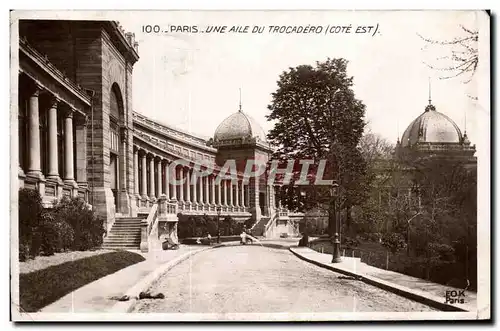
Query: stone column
200, 189
237, 194
205, 195
230, 186
188, 186
195, 190
212, 183
166, 181
219, 200
144, 187
158, 179
68, 147
136, 171
242, 202
223, 196
152, 177
34, 168
174, 187
181, 186
53, 151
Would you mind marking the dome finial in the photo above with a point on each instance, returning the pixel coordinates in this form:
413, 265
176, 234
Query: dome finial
430, 99
240, 101
398, 129
430, 106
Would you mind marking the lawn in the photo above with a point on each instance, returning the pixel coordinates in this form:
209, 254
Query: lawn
43, 287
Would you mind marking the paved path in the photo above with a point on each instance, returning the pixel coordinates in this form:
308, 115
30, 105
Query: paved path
100, 295
256, 279
398, 281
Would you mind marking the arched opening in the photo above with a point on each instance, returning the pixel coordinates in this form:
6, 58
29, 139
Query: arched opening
116, 118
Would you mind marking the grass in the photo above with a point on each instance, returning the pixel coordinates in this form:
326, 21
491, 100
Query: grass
325, 246
43, 287
374, 254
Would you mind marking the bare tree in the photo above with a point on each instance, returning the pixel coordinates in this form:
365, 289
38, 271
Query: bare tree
464, 55
374, 147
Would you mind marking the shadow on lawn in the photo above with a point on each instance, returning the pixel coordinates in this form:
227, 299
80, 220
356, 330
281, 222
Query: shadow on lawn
42, 287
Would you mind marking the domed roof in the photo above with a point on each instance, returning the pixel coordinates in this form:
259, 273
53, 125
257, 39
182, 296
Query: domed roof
433, 127
239, 126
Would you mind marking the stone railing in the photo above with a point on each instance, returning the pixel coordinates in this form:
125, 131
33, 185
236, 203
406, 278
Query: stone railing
205, 208
172, 132
161, 213
147, 227
269, 226
282, 212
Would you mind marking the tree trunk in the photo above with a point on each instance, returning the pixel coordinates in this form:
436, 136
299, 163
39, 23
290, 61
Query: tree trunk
348, 219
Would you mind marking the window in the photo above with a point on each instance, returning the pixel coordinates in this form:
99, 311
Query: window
114, 136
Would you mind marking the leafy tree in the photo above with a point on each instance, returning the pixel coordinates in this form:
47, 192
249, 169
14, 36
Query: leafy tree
317, 117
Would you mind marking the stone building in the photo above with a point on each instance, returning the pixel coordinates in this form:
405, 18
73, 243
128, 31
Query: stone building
432, 136
79, 136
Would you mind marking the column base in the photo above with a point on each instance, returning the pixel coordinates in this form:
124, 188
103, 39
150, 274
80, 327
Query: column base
36, 181
35, 174
54, 187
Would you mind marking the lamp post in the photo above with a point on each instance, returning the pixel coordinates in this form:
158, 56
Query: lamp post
335, 239
218, 224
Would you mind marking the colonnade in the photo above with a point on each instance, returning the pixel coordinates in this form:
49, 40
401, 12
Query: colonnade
48, 177
154, 178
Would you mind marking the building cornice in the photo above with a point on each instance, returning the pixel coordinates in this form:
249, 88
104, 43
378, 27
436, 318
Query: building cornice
50, 69
172, 133
120, 40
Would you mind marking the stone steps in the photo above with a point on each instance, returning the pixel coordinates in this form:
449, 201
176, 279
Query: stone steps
124, 234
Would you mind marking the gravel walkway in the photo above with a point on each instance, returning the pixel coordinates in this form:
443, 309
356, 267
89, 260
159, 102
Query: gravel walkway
255, 279
42, 262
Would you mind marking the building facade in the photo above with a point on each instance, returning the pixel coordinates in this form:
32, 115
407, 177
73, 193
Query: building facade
79, 136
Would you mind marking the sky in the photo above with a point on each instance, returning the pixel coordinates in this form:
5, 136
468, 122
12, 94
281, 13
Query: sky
191, 81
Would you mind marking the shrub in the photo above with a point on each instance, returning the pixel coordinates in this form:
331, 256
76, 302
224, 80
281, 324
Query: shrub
88, 228
443, 251
30, 209
393, 242
350, 242
24, 251
56, 235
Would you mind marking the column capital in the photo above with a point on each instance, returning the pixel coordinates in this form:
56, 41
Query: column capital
142, 152
54, 101
35, 88
68, 112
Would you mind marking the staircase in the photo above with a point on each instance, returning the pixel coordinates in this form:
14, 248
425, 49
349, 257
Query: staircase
124, 234
259, 227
